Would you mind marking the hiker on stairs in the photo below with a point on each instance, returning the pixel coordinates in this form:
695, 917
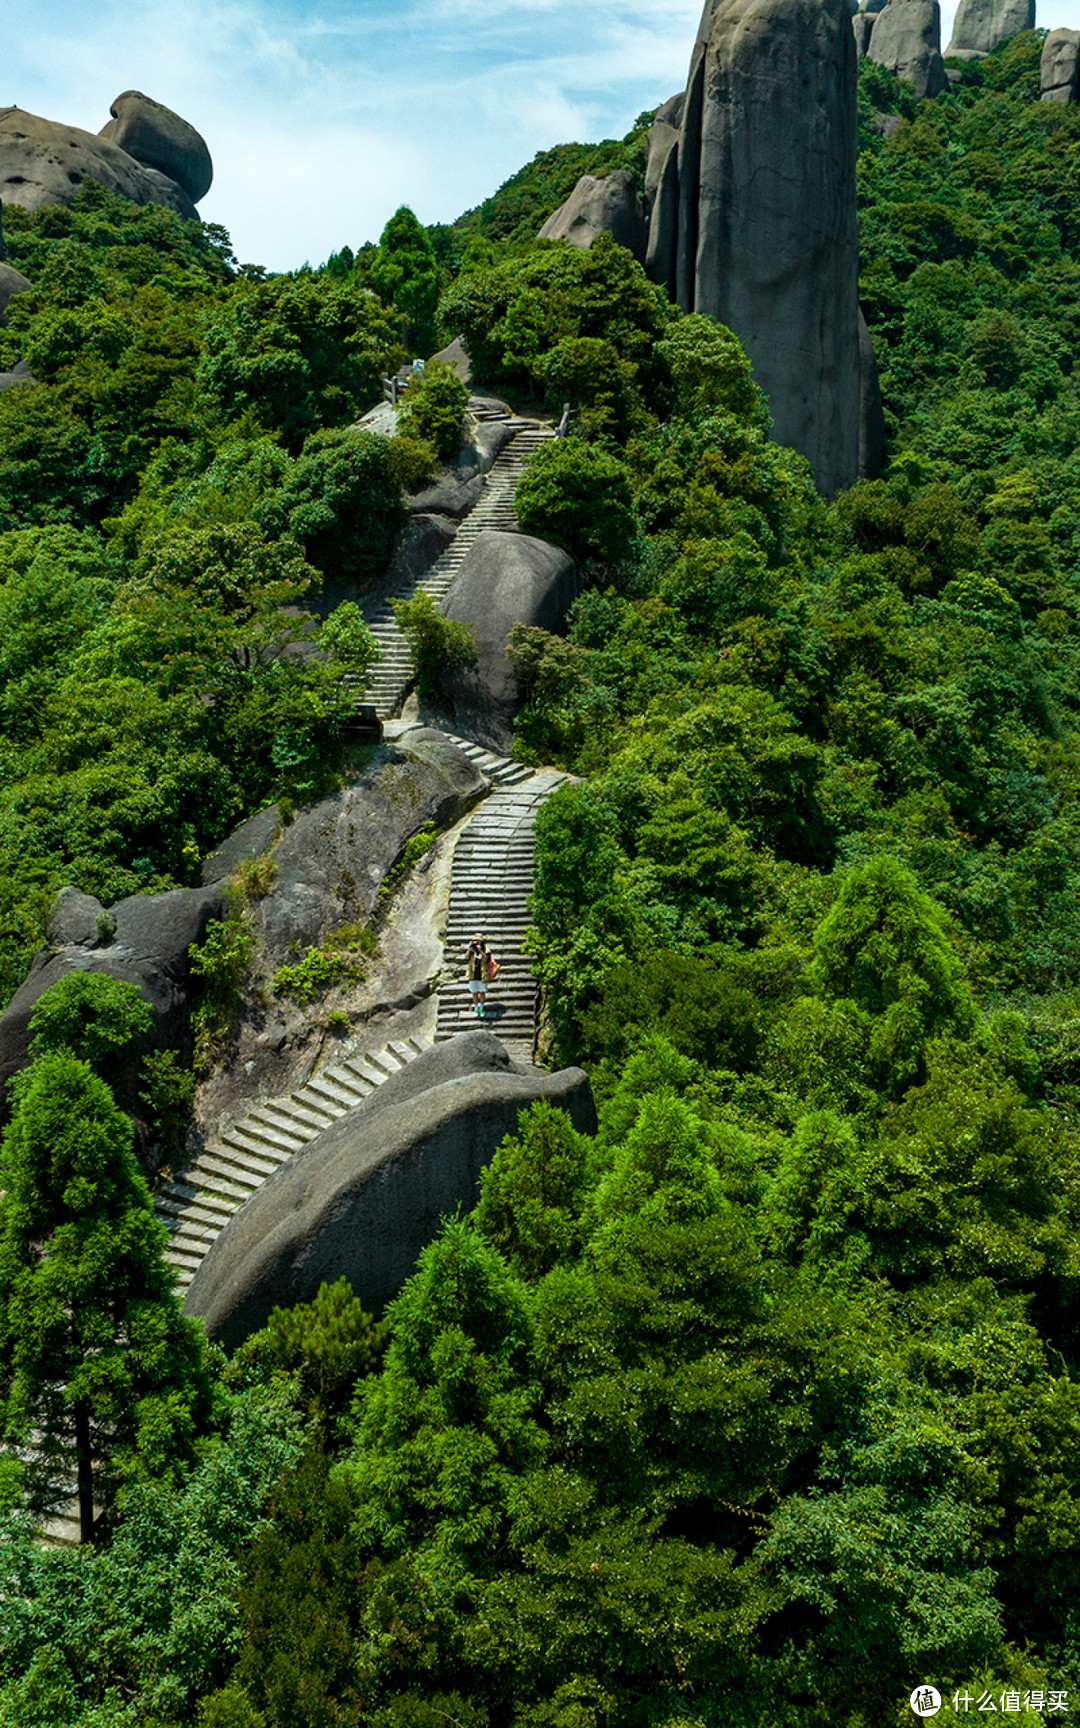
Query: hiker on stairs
480, 970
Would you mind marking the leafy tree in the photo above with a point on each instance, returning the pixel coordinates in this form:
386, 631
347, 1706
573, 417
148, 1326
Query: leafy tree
434, 408
710, 371
55, 588
91, 1015
587, 373
404, 275
349, 645
531, 1192
100, 1369
341, 501
330, 1344
435, 643
700, 1005
578, 497
301, 1593
450, 1423
512, 316
136, 1630
886, 947
305, 352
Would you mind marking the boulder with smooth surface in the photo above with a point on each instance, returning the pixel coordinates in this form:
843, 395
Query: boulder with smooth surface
980, 25
503, 580
144, 940
602, 204
767, 240
1059, 67
362, 1199
333, 857
44, 162
250, 840
12, 282
907, 40
153, 135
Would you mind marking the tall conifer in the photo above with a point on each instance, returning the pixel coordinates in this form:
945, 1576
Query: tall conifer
99, 1369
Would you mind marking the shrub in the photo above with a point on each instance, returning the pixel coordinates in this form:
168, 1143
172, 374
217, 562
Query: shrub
435, 643
219, 962
414, 851
434, 408
312, 976
579, 498
168, 1093
94, 1016
342, 501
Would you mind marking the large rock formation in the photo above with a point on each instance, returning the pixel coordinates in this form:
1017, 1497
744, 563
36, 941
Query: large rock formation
12, 281
363, 1198
863, 26
44, 162
143, 940
504, 579
159, 139
608, 204
1059, 67
333, 858
754, 219
662, 191
981, 24
907, 39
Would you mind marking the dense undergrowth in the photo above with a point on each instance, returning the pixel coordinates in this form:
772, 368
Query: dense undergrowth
762, 1407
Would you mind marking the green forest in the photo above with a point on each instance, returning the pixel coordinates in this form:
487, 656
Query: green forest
761, 1407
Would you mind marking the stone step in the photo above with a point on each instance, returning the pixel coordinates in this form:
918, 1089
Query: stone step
317, 1091
235, 1163
260, 1139
179, 1211
289, 1119
235, 1171
196, 1205
494, 509
200, 1182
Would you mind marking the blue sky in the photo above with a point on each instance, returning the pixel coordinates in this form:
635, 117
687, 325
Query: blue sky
323, 116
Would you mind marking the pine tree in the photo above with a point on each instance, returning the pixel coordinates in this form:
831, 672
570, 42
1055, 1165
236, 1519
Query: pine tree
405, 275
100, 1372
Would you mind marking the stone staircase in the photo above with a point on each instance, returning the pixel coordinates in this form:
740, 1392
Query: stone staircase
198, 1202
490, 884
392, 675
500, 770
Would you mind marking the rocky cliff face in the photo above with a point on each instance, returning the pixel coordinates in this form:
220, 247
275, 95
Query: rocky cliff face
45, 162
1059, 67
981, 24
907, 39
598, 205
753, 217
